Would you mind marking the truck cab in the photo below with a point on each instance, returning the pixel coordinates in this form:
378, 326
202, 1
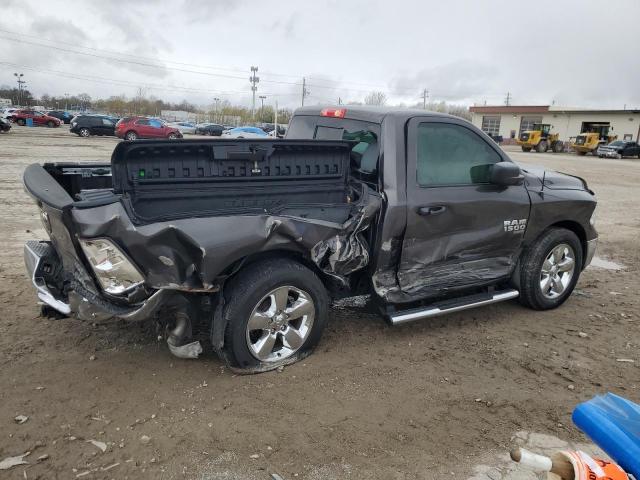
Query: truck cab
254, 238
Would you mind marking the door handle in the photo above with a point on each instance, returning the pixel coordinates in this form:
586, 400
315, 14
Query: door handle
433, 210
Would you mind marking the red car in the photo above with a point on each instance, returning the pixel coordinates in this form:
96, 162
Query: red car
132, 128
21, 116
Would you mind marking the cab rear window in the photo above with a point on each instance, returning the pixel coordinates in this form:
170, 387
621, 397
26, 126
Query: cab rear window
366, 150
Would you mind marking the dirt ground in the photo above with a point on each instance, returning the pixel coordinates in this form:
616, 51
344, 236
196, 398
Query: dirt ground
426, 400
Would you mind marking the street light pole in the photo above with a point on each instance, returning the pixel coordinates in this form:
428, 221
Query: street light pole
20, 83
215, 112
262, 98
66, 101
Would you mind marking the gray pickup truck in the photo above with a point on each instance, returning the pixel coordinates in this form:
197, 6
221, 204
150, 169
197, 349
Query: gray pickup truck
244, 243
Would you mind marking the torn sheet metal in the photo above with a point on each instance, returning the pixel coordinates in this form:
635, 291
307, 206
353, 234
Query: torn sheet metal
190, 254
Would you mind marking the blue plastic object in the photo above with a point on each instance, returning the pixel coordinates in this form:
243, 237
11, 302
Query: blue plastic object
29, 122
613, 423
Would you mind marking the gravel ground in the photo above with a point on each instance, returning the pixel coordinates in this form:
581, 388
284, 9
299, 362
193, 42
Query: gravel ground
442, 397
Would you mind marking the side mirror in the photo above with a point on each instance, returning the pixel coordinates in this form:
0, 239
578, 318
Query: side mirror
505, 174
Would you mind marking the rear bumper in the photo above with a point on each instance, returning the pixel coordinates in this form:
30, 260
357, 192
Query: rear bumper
41, 261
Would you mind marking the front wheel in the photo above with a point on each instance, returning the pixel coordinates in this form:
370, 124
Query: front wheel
50, 124
549, 270
275, 314
84, 132
172, 136
542, 147
526, 149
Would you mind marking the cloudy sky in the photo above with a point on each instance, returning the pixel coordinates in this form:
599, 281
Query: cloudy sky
574, 53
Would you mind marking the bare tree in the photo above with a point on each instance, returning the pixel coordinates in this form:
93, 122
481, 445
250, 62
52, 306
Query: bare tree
375, 98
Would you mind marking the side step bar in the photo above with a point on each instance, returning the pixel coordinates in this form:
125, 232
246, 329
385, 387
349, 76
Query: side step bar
455, 305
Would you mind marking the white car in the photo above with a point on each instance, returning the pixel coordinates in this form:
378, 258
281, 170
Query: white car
184, 127
6, 112
245, 132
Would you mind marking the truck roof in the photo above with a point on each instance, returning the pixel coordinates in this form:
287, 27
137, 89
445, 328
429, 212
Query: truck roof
374, 114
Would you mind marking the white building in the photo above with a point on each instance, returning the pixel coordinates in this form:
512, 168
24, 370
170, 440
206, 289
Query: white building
178, 116
509, 121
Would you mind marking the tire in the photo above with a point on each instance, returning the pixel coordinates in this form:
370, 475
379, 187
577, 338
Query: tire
558, 147
172, 136
131, 135
541, 291
84, 132
526, 149
252, 295
50, 124
21, 122
542, 146
619, 156
582, 154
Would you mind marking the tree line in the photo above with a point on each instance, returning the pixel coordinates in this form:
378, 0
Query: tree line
143, 104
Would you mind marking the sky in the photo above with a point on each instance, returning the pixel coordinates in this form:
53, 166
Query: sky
568, 53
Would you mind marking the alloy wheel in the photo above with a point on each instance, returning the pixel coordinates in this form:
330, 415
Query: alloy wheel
557, 271
280, 324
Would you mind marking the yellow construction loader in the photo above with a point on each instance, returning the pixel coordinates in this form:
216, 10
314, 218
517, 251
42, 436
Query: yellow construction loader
594, 136
540, 139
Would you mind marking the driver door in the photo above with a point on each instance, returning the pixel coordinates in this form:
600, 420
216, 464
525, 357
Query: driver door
462, 231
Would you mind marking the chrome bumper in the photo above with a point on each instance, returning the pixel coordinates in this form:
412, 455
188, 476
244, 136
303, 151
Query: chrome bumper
591, 251
34, 254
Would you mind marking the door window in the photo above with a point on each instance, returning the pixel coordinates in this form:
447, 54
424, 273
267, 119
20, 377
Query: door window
452, 155
142, 121
155, 123
107, 123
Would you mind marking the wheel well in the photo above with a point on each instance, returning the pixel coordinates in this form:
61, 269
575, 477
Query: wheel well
290, 254
576, 228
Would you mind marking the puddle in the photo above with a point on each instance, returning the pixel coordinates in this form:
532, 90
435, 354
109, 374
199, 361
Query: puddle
605, 264
498, 466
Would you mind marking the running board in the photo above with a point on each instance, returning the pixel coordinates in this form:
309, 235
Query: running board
450, 306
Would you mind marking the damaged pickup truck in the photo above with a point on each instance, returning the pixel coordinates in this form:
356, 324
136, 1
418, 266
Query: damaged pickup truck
245, 242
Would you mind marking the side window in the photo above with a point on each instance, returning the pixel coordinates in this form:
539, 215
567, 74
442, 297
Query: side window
106, 122
94, 122
155, 123
452, 155
142, 121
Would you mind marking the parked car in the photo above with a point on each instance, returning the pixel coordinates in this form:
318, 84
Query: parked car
87, 125
7, 112
245, 132
61, 115
21, 116
254, 240
211, 129
184, 127
619, 149
132, 128
5, 125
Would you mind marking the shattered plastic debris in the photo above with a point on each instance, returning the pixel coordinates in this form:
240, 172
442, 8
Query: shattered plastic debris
190, 350
101, 445
20, 419
11, 462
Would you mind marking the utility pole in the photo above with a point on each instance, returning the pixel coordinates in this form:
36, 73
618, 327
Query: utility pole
305, 92
66, 101
275, 119
507, 100
215, 112
425, 95
20, 84
339, 100
262, 98
254, 81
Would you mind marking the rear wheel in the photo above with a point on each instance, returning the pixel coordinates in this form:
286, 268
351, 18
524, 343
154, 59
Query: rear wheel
50, 124
550, 269
84, 132
542, 147
131, 135
558, 147
21, 122
582, 154
275, 314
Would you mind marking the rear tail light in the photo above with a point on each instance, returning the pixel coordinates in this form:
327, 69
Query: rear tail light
333, 112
